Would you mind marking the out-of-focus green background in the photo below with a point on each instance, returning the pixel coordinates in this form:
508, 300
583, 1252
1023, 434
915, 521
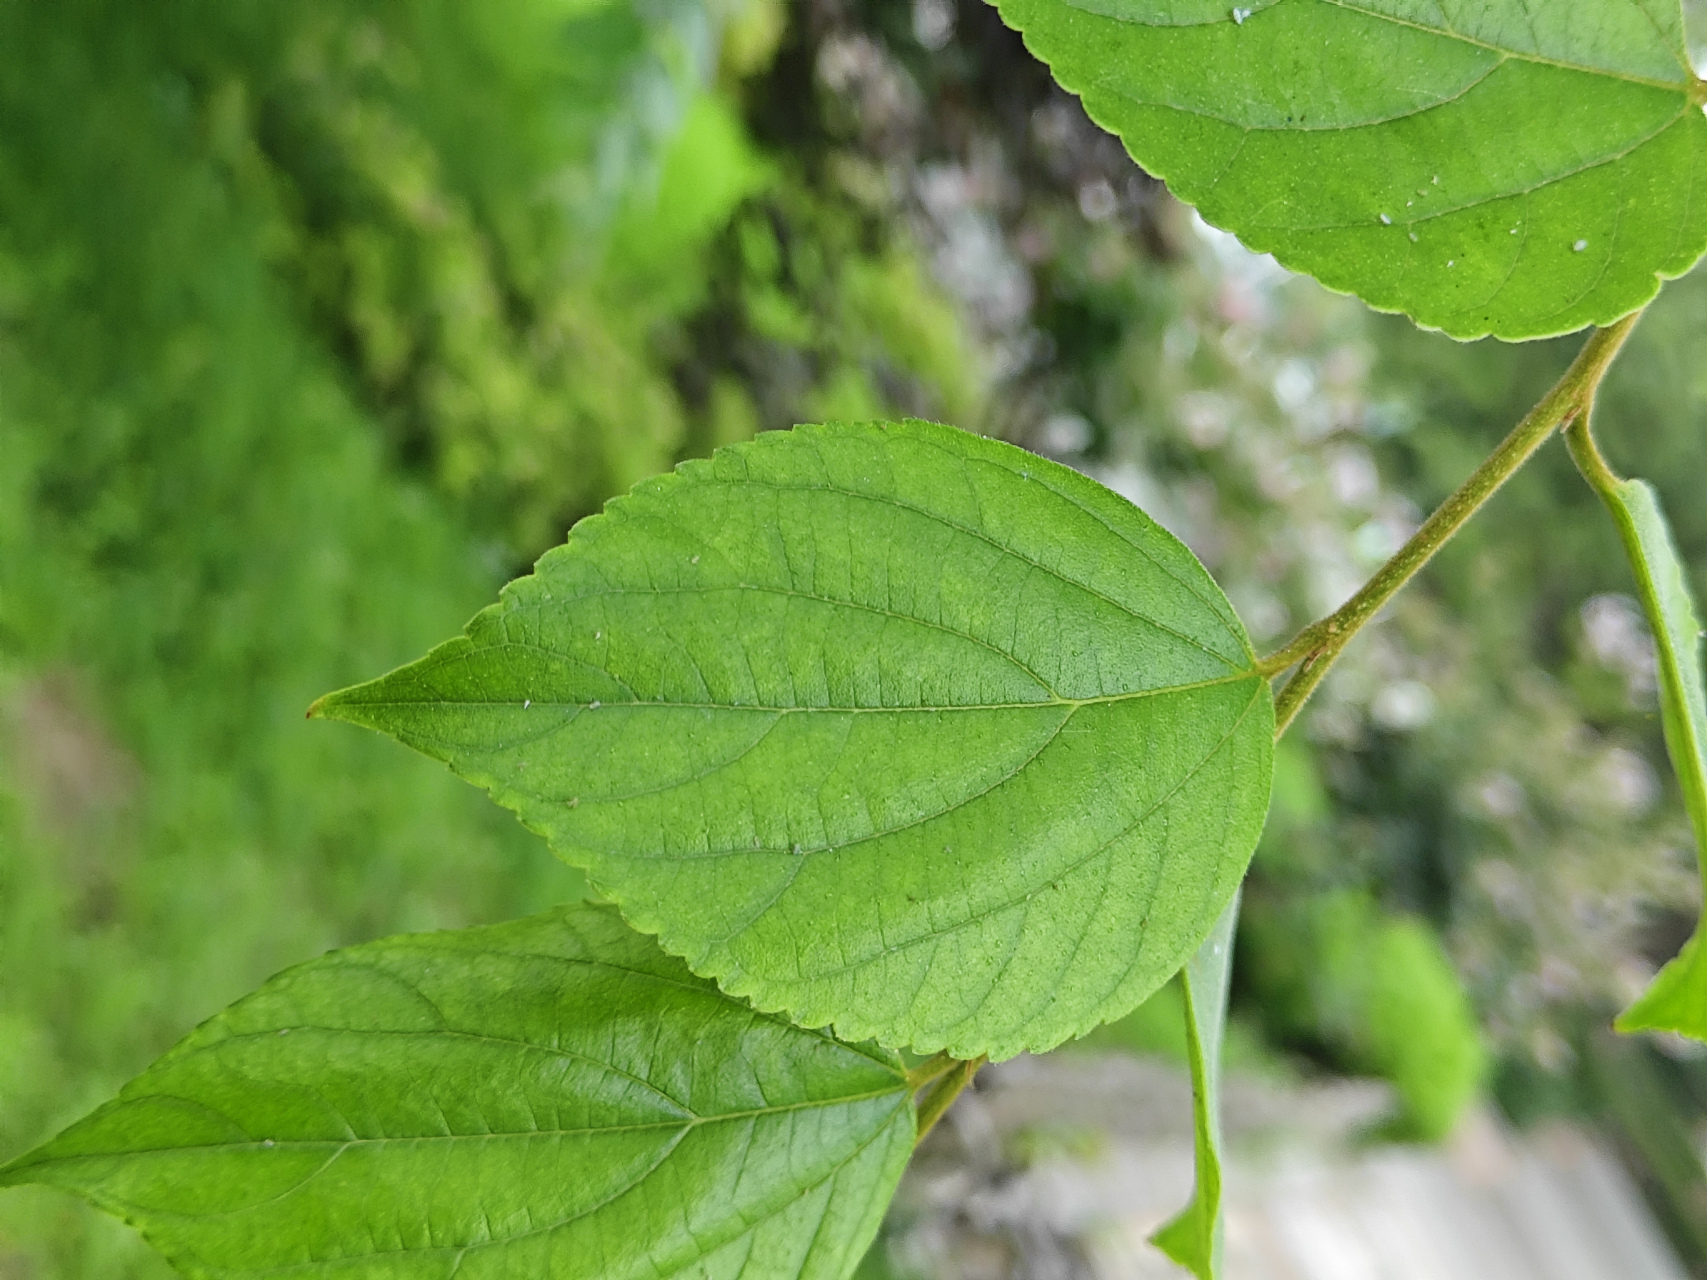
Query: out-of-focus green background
319, 321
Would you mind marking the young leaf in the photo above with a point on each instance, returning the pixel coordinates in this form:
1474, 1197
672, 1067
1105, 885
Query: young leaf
552, 1096
886, 726
1193, 1238
1513, 167
1677, 999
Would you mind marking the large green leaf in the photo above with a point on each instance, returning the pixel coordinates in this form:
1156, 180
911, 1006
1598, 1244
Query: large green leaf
1677, 1000
1193, 1237
550, 1097
1514, 167
889, 727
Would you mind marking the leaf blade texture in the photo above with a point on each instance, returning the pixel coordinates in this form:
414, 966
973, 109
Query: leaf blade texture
1511, 168
552, 1096
886, 726
1192, 1238
1677, 998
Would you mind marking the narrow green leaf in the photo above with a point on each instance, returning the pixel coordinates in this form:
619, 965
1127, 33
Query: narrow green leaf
549, 1097
1677, 999
1513, 167
1193, 1239
887, 726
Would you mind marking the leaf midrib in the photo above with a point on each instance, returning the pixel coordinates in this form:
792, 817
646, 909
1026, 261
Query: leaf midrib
765, 709
685, 1125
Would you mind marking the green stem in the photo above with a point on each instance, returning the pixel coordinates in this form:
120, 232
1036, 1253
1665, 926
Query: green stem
940, 1098
931, 1069
1318, 645
1585, 452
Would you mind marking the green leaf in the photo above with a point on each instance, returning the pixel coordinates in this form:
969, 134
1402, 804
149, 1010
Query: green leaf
549, 1097
1513, 167
1193, 1238
1677, 999
887, 726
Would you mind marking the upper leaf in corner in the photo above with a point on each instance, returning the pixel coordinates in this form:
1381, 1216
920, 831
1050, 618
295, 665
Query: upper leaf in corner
1518, 168
888, 726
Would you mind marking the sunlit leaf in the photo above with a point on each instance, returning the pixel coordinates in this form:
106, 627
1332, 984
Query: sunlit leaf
1514, 167
1193, 1238
888, 726
550, 1097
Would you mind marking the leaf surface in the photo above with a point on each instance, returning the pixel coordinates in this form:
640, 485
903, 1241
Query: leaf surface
1193, 1238
1513, 167
1677, 999
887, 726
554, 1096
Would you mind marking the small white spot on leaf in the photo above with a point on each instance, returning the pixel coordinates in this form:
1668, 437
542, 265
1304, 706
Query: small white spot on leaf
1413, 237
1579, 246
1239, 15
526, 703
1386, 221
593, 705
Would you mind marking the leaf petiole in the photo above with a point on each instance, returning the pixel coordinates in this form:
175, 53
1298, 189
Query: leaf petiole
1315, 648
939, 1099
931, 1069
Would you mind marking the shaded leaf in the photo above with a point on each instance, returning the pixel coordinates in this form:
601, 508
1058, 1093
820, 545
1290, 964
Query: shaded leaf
1503, 166
1677, 999
1193, 1238
886, 726
552, 1096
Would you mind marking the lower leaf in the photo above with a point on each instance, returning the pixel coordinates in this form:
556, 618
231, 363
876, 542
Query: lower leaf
553, 1096
1677, 1000
1193, 1238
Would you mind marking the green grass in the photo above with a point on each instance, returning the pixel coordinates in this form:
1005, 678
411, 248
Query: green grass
200, 531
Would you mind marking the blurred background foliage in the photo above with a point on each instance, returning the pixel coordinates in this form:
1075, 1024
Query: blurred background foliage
319, 321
